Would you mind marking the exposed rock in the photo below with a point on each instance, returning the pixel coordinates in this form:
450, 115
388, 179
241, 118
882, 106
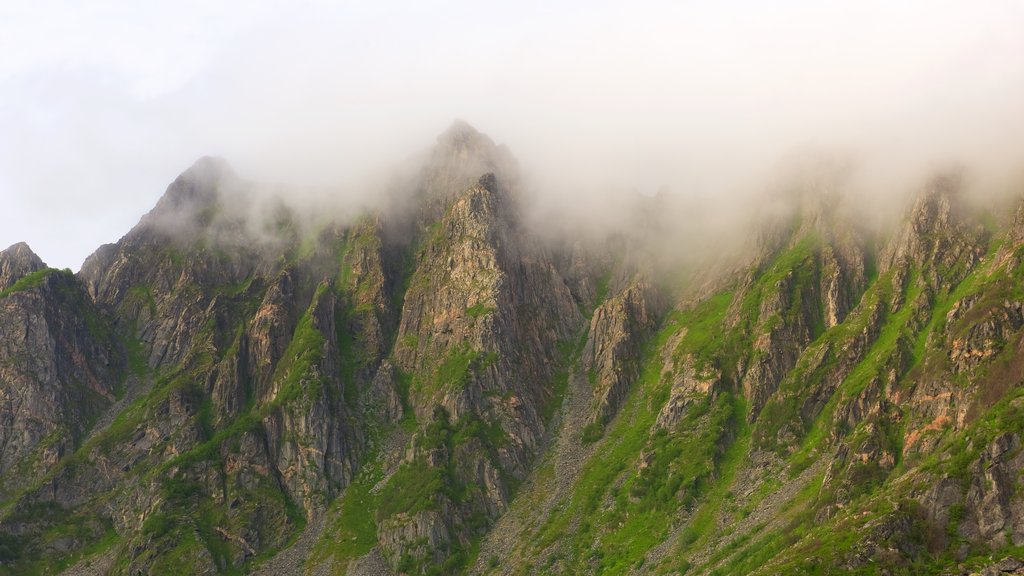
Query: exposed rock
688, 386
939, 233
612, 354
60, 367
994, 513
16, 262
209, 387
383, 396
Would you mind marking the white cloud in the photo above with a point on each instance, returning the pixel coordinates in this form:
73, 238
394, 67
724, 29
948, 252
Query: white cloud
103, 103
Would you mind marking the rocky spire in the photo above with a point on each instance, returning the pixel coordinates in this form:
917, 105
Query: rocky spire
939, 233
459, 157
16, 262
198, 184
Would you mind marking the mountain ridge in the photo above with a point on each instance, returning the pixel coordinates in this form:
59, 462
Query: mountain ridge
434, 388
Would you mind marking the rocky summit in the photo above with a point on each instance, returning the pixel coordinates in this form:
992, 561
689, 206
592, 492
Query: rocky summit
434, 387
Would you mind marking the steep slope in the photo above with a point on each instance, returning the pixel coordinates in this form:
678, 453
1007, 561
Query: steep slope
272, 358
435, 388
477, 351
60, 366
236, 428
17, 262
788, 414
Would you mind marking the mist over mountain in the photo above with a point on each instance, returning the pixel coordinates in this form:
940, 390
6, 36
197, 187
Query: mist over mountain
103, 106
324, 288
461, 378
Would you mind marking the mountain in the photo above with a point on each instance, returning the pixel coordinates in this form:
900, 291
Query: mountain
435, 387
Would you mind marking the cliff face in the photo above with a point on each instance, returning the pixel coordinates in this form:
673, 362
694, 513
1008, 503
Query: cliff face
816, 403
59, 363
477, 347
434, 389
16, 263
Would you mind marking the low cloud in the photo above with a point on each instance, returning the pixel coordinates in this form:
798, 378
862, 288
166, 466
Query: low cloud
716, 104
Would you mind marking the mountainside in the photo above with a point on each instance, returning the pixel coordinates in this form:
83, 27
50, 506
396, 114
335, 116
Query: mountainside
435, 388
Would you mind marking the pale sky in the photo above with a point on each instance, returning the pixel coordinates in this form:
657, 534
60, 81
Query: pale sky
103, 103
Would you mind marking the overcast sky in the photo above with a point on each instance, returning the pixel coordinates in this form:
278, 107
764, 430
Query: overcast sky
103, 103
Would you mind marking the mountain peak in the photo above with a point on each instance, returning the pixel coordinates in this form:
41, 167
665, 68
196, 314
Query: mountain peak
199, 182
938, 228
488, 182
938, 203
17, 261
459, 128
19, 250
194, 190
210, 168
462, 141
460, 159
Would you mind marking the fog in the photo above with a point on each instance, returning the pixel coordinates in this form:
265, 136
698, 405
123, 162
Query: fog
103, 103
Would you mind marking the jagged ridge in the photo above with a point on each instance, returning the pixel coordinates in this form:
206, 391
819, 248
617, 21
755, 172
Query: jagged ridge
226, 390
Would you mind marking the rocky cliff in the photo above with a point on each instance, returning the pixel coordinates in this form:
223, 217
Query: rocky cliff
435, 388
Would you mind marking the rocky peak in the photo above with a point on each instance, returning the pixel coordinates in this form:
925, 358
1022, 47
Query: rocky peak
462, 151
16, 262
940, 237
488, 182
1016, 234
59, 367
198, 184
1008, 255
461, 135
938, 205
483, 205
456, 162
207, 205
939, 232
192, 199
811, 207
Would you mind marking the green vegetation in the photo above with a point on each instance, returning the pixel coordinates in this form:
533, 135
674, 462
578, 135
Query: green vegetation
452, 371
30, 281
352, 531
413, 487
143, 294
20, 555
895, 339
642, 477
478, 310
297, 375
705, 337
703, 488
416, 485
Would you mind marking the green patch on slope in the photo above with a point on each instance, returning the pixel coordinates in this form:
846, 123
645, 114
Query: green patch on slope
352, 530
639, 479
296, 375
30, 281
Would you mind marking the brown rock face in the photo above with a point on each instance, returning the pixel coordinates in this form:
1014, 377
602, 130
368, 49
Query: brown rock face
479, 334
60, 367
236, 380
265, 350
16, 262
939, 234
611, 356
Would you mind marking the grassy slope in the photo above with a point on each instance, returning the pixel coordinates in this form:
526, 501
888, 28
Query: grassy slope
620, 510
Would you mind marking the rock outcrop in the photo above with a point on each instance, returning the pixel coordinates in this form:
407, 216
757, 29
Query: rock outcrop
60, 366
236, 380
17, 262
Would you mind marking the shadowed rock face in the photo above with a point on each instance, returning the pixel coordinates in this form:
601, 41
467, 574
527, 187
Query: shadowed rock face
60, 366
231, 382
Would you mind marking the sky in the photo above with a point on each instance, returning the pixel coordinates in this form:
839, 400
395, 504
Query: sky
103, 103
